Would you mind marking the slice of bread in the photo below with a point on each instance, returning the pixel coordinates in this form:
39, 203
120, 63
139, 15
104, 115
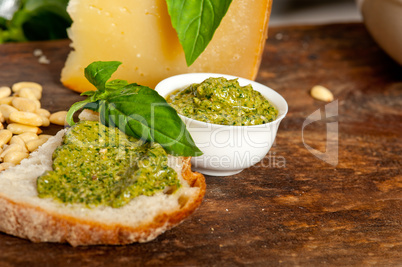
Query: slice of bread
25, 215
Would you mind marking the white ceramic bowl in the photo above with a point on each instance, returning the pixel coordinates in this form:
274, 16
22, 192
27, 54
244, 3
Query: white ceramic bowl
227, 149
383, 19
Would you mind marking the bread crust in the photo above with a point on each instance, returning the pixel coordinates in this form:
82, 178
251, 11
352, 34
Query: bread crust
38, 225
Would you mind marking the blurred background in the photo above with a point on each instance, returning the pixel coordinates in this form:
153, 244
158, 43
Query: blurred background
51, 18
382, 18
291, 12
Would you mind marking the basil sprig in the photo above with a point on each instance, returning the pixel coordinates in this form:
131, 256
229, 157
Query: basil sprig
195, 23
136, 110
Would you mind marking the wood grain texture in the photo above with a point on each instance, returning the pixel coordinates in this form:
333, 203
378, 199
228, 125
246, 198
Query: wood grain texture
291, 208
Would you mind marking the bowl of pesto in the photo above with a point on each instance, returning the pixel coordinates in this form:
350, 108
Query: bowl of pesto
232, 120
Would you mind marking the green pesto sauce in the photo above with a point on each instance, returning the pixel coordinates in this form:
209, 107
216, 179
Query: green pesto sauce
222, 101
98, 165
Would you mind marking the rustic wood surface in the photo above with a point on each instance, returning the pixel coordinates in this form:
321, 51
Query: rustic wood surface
292, 208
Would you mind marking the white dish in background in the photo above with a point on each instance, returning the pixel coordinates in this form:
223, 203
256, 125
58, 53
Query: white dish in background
227, 149
383, 19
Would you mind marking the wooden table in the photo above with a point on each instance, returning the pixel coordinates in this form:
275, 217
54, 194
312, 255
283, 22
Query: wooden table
292, 208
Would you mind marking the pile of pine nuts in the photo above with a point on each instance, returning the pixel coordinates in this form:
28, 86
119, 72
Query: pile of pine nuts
20, 110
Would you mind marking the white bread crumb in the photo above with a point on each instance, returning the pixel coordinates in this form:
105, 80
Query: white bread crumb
37, 52
43, 60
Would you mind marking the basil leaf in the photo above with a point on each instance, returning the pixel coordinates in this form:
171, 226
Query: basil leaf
92, 106
99, 72
74, 108
116, 84
88, 93
195, 23
141, 112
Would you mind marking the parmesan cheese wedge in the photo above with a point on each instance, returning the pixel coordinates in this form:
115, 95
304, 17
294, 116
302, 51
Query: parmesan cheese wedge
140, 35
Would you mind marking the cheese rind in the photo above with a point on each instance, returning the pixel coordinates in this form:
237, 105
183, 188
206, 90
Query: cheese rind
139, 34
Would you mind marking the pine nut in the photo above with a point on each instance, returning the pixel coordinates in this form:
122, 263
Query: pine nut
58, 118
34, 144
1, 126
45, 121
25, 104
2, 119
29, 93
16, 139
37, 103
89, 115
15, 157
5, 136
28, 136
7, 100
5, 91
27, 118
5, 165
17, 86
45, 136
43, 112
37, 92
17, 128
6, 110
321, 93
13, 148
